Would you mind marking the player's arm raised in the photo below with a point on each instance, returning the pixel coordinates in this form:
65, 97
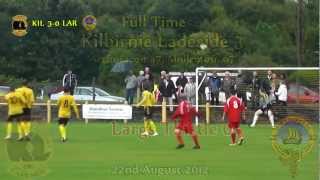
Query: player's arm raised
144, 98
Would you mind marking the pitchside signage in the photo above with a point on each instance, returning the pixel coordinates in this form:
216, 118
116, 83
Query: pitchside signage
103, 111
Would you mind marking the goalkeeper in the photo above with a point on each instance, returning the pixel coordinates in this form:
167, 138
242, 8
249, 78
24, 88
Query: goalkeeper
148, 100
265, 108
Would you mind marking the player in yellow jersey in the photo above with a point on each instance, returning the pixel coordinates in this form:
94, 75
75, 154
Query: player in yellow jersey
148, 100
65, 103
25, 125
15, 111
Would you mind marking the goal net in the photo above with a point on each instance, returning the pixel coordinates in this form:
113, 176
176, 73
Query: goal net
288, 90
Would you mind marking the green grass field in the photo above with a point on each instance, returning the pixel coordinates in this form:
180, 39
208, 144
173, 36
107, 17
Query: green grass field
106, 151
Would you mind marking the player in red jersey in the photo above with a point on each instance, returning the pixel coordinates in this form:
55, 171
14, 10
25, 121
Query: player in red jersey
186, 112
234, 108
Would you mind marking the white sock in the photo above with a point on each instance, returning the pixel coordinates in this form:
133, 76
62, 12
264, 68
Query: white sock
271, 118
255, 117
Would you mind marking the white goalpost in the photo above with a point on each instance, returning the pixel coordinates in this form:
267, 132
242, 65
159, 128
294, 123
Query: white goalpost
202, 71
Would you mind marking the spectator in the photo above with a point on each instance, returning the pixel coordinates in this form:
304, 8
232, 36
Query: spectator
131, 85
214, 85
181, 82
162, 78
256, 85
147, 70
70, 81
163, 75
167, 90
282, 95
269, 75
190, 91
140, 78
147, 83
207, 91
267, 81
273, 87
255, 81
241, 87
227, 83
283, 78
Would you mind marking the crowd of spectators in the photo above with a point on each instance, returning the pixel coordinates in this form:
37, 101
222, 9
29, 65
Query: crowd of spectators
215, 89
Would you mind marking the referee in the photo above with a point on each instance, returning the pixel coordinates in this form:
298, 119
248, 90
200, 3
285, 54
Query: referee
70, 81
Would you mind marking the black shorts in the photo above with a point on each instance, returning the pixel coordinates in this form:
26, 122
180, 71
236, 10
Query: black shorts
16, 117
148, 113
63, 121
282, 103
265, 110
26, 114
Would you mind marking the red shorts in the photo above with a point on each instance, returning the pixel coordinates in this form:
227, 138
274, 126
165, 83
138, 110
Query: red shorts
234, 125
187, 128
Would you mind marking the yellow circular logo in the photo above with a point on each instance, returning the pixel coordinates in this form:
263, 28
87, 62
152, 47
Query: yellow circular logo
293, 140
89, 22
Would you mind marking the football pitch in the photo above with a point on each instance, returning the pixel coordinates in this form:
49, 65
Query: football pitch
107, 150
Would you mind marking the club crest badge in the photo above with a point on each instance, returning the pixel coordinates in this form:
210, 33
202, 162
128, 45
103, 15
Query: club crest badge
28, 159
19, 25
292, 141
89, 22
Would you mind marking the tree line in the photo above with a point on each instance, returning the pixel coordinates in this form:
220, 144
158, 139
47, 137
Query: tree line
256, 32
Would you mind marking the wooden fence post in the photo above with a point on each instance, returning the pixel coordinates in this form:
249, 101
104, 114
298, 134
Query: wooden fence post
49, 111
125, 121
208, 113
86, 120
164, 111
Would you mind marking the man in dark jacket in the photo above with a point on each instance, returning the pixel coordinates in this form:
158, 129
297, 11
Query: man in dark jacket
167, 90
241, 87
147, 83
215, 85
181, 82
227, 84
147, 70
256, 84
